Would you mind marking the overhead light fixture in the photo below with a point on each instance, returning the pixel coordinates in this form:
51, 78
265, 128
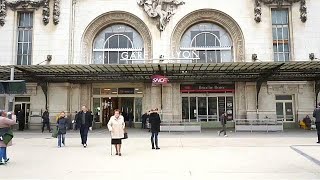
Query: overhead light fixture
312, 56
254, 57
49, 58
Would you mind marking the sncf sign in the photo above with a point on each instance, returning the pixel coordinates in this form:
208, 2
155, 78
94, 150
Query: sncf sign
159, 79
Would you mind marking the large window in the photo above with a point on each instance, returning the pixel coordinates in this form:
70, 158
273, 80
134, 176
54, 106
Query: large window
25, 25
118, 44
280, 33
206, 43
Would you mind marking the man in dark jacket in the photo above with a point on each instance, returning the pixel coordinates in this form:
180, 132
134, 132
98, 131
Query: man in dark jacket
21, 119
84, 122
46, 120
154, 120
144, 120
316, 114
223, 121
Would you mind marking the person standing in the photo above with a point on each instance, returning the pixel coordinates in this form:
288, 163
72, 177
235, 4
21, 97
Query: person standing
130, 118
316, 114
155, 121
223, 121
21, 119
116, 126
84, 121
62, 125
5, 124
46, 121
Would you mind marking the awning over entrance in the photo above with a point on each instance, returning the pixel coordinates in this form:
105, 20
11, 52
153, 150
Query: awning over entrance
220, 72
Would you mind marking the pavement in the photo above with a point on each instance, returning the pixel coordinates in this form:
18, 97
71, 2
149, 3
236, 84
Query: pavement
187, 156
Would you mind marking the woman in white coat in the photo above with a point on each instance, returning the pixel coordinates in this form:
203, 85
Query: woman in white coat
116, 126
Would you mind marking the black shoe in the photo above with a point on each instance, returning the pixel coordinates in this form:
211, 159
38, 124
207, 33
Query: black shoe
318, 142
119, 154
157, 148
1, 163
153, 148
7, 160
84, 145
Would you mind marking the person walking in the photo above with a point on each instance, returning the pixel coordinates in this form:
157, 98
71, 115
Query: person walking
316, 114
223, 121
116, 126
155, 121
46, 121
62, 125
84, 122
5, 124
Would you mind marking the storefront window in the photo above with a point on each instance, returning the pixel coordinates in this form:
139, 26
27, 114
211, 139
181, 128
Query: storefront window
138, 109
206, 43
206, 108
96, 109
118, 44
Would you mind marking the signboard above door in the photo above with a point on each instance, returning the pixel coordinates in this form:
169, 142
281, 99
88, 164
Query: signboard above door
207, 88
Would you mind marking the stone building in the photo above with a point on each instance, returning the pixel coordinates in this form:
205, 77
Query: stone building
250, 58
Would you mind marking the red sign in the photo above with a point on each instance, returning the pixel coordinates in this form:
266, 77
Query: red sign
159, 79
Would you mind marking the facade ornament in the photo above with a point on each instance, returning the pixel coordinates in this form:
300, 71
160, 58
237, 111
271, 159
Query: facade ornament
279, 3
3, 12
162, 10
56, 11
46, 12
26, 4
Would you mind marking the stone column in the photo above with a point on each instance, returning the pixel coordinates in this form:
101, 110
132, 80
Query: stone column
85, 95
240, 100
251, 100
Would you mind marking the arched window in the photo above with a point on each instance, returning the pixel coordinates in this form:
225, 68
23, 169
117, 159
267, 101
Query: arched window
118, 44
206, 43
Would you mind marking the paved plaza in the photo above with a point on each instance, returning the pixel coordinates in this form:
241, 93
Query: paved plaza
288, 155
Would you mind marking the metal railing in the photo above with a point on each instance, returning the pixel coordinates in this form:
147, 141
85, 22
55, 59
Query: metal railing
259, 125
180, 126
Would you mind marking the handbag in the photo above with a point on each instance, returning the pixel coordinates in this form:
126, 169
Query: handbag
125, 136
55, 133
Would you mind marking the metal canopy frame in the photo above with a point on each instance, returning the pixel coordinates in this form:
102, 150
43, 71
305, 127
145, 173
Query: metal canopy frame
177, 72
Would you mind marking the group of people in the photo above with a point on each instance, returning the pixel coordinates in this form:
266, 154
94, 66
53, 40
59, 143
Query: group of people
83, 120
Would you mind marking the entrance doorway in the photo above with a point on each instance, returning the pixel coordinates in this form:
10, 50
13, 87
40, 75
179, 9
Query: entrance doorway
284, 108
205, 108
124, 104
25, 110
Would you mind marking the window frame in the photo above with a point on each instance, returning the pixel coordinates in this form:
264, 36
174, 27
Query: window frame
29, 42
290, 34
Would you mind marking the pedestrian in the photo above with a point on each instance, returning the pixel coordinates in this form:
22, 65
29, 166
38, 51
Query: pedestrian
21, 119
316, 114
155, 121
84, 122
5, 124
75, 125
116, 126
223, 121
62, 125
130, 118
46, 121
144, 118
307, 122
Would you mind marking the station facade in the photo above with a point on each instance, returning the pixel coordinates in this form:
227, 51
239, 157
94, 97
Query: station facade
202, 47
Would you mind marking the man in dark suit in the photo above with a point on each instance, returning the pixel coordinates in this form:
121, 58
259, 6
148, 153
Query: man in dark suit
46, 120
84, 122
316, 114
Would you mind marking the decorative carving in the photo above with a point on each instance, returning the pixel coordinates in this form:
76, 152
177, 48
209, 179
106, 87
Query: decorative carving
108, 19
3, 12
163, 10
279, 3
46, 12
25, 4
214, 16
56, 11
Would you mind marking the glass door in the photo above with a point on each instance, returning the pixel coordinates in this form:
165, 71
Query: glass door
202, 109
285, 111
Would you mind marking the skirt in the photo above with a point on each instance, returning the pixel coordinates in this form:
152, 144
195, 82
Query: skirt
116, 141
